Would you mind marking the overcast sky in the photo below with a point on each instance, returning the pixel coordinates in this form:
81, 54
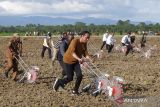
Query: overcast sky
135, 10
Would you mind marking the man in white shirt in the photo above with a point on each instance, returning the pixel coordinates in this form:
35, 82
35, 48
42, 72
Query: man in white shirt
105, 35
126, 41
47, 45
110, 42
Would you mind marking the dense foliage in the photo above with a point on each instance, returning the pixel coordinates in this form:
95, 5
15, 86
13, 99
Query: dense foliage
120, 28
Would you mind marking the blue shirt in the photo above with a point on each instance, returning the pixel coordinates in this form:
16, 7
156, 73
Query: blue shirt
62, 49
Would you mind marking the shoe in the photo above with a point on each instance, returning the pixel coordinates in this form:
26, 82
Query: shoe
56, 84
86, 88
96, 93
75, 93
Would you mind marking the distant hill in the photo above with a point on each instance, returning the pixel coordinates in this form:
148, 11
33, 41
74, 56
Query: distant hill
44, 20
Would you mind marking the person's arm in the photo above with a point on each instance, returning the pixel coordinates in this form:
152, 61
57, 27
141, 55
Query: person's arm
9, 44
109, 40
129, 40
20, 48
75, 56
49, 42
123, 39
113, 37
63, 48
9, 48
145, 39
87, 56
104, 37
112, 40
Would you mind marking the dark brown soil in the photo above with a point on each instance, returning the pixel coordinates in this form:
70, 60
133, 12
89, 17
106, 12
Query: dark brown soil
142, 77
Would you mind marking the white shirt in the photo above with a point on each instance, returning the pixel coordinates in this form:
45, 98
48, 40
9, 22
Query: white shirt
110, 40
126, 40
105, 35
45, 41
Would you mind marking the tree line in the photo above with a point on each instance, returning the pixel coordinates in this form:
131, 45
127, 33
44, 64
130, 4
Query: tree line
120, 28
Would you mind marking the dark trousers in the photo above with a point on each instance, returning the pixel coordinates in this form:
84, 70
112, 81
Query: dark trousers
109, 47
70, 68
104, 42
63, 68
142, 45
43, 51
11, 63
129, 47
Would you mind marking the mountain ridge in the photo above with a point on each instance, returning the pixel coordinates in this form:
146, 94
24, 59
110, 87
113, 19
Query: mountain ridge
45, 20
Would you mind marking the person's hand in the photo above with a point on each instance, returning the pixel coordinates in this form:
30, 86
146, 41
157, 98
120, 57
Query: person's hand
88, 59
13, 54
81, 61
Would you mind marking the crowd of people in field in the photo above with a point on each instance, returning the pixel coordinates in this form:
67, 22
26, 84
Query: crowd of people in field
127, 42
70, 52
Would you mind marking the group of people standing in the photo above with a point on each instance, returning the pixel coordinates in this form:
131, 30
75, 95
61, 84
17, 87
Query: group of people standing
108, 40
127, 40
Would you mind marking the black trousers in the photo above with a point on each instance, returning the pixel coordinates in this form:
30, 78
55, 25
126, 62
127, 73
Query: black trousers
43, 51
109, 47
63, 68
70, 69
142, 44
104, 42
